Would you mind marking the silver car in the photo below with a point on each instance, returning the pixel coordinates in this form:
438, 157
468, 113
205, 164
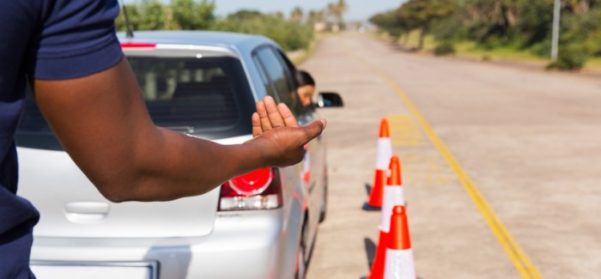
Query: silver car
260, 225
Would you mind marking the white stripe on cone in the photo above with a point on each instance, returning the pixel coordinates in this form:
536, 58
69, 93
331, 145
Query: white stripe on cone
393, 195
384, 153
399, 264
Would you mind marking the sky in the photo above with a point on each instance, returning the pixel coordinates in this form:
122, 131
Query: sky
358, 9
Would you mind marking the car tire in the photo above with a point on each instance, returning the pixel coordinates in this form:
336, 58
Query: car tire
323, 212
301, 261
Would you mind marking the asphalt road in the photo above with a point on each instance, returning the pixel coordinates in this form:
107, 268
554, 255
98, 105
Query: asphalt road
501, 166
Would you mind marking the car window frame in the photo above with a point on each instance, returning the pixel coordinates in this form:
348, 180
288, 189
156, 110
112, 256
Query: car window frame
287, 68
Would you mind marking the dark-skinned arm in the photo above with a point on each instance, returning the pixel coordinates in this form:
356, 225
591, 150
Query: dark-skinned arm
102, 122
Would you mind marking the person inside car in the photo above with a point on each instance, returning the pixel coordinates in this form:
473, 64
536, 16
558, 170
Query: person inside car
67, 51
306, 87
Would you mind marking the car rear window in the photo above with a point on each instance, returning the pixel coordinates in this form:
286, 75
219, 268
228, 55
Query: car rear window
208, 97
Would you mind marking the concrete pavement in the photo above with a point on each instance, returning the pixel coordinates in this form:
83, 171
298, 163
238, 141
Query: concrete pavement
528, 140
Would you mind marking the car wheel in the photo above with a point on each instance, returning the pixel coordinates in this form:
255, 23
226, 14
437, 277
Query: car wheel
324, 204
301, 261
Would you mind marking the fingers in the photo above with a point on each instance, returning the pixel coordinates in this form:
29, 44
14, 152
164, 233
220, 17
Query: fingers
256, 122
273, 112
263, 118
313, 130
289, 119
272, 116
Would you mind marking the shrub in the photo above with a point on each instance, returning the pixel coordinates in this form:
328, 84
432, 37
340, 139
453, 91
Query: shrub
571, 57
444, 48
290, 35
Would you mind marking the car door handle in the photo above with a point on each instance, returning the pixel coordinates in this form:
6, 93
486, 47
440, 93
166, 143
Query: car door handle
86, 212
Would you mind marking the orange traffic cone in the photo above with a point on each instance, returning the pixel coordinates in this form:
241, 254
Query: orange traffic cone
393, 193
399, 256
393, 196
384, 151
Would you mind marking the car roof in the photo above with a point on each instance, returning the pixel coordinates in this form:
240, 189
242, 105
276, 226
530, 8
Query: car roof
205, 38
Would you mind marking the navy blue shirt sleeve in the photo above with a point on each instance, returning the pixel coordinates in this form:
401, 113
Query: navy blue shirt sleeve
77, 38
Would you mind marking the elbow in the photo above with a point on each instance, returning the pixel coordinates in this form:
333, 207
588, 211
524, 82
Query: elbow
133, 190
115, 196
124, 185
116, 193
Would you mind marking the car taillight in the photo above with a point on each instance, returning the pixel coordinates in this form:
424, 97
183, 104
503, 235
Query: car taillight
252, 183
258, 189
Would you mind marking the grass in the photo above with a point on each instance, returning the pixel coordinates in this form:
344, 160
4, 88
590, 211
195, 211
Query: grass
470, 50
412, 41
594, 63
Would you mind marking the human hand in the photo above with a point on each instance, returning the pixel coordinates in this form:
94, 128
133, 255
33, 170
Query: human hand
270, 116
277, 134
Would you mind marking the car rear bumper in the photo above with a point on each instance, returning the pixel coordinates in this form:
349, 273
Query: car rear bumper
242, 245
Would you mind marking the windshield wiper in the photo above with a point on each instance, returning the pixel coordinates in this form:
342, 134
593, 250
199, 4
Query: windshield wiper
182, 129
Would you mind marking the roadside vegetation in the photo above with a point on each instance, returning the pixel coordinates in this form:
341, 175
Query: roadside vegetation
293, 32
513, 29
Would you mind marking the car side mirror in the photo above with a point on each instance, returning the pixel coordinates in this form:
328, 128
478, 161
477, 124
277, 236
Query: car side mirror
329, 100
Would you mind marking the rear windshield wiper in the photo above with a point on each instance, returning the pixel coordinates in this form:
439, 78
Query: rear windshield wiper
182, 129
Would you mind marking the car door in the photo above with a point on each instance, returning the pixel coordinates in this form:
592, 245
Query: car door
314, 165
315, 159
278, 71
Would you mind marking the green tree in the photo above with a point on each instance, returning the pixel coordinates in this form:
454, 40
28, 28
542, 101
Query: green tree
341, 9
297, 15
133, 15
522, 25
289, 34
244, 15
421, 14
152, 15
336, 11
315, 16
390, 22
193, 15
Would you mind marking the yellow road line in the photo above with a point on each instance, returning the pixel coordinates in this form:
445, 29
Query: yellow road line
517, 256
404, 131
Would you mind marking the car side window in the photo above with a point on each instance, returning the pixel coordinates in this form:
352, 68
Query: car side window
268, 87
278, 75
288, 65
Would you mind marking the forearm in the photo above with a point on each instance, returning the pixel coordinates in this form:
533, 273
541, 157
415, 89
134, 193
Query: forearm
174, 166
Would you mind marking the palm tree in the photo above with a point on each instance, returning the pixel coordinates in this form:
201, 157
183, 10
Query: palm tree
315, 16
337, 11
297, 14
341, 8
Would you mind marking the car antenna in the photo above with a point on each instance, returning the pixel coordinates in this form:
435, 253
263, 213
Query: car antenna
129, 32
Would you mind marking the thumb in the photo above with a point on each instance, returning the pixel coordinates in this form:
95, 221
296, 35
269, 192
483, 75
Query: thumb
314, 129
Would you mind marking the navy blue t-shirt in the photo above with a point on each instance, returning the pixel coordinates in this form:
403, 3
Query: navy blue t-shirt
47, 40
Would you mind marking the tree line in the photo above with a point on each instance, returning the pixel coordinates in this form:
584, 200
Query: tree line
292, 32
523, 25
